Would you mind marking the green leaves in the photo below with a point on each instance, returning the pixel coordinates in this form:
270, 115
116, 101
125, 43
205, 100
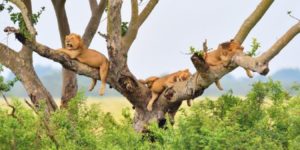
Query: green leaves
193, 50
124, 28
6, 86
17, 18
265, 119
254, 47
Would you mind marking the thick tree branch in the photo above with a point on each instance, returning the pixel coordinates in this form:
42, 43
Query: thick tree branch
133, 26
62, 19
245, 61
93, 5
279, 44
25, 52
69, 86
260, 64
136, 21
146, 11
94, 22
26, 16
252, 20
63, 59
6, 55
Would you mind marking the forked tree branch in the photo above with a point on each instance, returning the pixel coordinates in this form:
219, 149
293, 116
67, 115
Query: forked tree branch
93, 5
26, 16
146, 11
6, 56
136, 21
200, 81
91, 28
279, 44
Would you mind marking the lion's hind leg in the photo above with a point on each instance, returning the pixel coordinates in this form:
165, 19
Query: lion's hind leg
94, 82
103, 76
152, 100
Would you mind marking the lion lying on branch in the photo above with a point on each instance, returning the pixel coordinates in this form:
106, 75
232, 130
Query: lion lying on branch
158, 85
75, 48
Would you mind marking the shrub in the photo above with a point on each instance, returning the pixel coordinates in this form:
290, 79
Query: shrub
267, 118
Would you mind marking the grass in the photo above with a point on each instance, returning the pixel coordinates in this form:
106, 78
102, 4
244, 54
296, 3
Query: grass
113, 105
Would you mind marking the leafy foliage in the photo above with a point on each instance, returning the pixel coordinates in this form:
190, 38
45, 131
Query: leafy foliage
18, 18
124, 28
254, 47
5, 87
193, 50
267, 118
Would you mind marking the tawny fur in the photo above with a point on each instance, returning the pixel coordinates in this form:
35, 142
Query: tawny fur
158, 85
75, 48
222, 56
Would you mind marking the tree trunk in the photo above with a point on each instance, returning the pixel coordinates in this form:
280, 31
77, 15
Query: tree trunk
21, 65
69, 85
34, 87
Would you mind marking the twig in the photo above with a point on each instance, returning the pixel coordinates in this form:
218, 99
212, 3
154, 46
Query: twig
205, 48
102, 35
45, 122
11, 106
292, 16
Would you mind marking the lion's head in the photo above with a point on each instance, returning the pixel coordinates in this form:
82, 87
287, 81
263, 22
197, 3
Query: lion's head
232, 46
184, 75
74, 42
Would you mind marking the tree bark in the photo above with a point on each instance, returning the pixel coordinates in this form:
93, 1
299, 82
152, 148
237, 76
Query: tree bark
69, 85
23, 69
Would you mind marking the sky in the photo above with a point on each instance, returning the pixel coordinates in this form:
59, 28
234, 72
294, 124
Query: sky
173, 26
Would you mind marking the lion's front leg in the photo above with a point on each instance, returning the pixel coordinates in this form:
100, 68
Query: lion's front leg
71, 54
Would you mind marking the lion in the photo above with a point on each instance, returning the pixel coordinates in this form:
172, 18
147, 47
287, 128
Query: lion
222, 56
158, 85
75, 49
184, 75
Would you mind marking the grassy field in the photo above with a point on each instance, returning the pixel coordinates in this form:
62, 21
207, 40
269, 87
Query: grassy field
113, 105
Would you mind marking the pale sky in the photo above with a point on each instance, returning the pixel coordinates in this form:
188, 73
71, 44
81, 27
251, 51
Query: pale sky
171, 29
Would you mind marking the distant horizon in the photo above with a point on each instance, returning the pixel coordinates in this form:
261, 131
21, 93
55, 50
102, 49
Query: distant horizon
239, 85
7, 72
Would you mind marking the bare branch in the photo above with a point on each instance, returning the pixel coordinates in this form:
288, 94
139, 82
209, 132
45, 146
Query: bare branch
11, 106
137, 21
26, 16
93, 4
260, 64
94, 22
252, 20
281, 43
103, 35
113, 24
251, 63
147, 10
6, 55
292, 16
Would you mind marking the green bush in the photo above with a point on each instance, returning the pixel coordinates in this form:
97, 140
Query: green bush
267, 118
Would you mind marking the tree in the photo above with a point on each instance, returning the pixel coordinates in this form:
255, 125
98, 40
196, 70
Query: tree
118, 45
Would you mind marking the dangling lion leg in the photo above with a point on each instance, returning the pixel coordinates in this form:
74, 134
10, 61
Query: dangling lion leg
218, 84
153, 98
249, 73
103, 75
94, 82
